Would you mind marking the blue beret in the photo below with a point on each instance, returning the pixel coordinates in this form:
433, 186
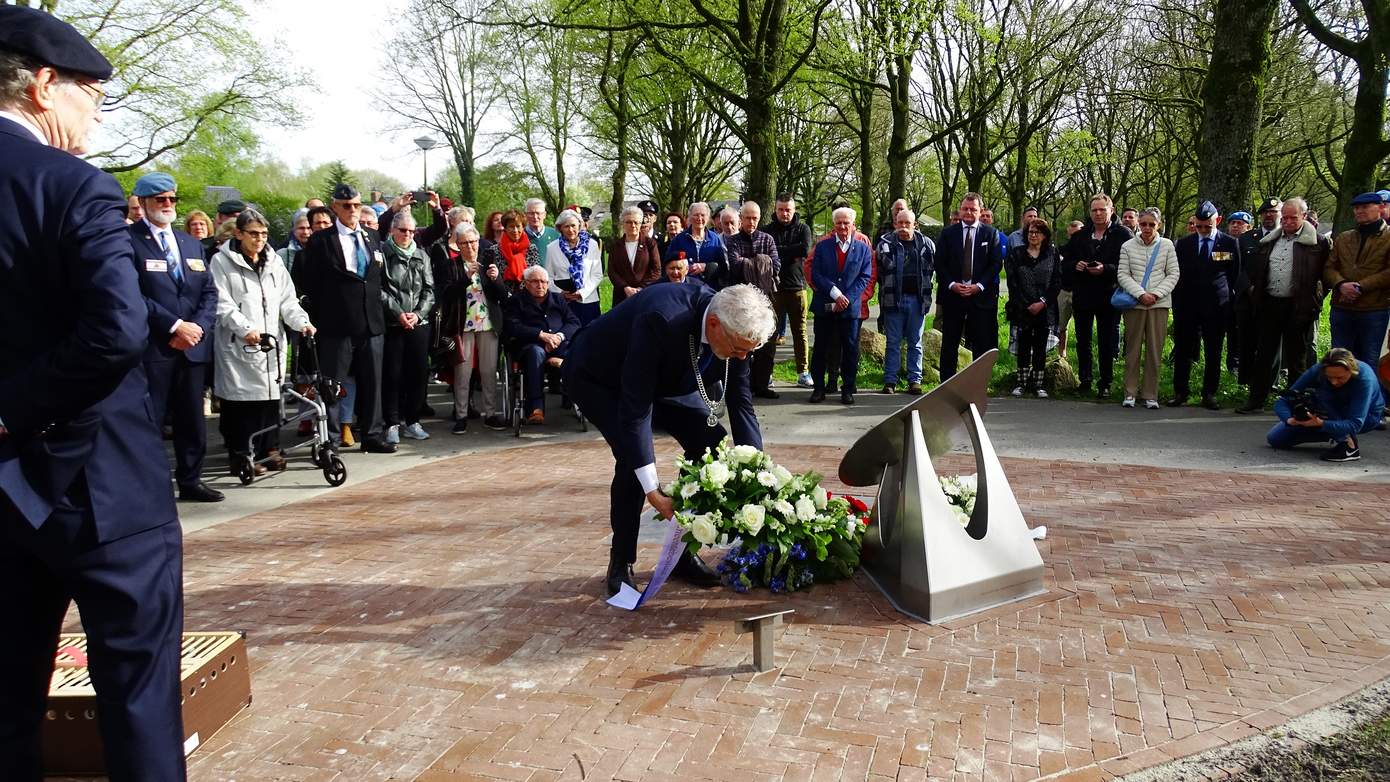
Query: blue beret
1205, 211
1366, 198
153, 183
50, 41
1384, 196
380, 209
1242, 216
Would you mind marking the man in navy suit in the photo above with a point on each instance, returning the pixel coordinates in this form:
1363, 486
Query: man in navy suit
969, 258
1208, 266
656, 362
182, 301
86, 510
840, 271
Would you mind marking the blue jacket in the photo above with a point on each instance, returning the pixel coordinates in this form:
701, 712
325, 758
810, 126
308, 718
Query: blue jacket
194, 300
711, 254
851, 280
1205, 285
987, 261
525, 319
897, 260
73, 328
1352, 409
640, 352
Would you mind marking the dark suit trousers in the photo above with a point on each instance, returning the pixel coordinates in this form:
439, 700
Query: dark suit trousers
129, 593
829, 330
1279, 336
176, 386
1206, 328
625, 495
978, 327
360, 358
760, 368
532, 359
405, 361
1096, 326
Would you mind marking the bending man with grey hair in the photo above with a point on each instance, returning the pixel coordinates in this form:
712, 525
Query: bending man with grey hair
656, 363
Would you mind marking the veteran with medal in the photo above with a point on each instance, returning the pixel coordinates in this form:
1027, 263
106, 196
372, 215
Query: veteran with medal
673, 359
1208, 266
182, 302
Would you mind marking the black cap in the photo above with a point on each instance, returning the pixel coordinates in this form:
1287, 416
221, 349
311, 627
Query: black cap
50, 41
231, 207
649, 206
1205, 211
585, 212
345, 192
1268, 204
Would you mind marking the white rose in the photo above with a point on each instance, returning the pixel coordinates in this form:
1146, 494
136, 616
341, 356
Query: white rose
968, 482
961, 515
716, 474
743, 453
702, 527
820, 496
751, 517
805, 508
767, 479
689, 490
746, 475
785, 509
783, 475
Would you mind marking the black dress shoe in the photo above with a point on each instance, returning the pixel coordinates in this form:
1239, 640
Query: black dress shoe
1251, 406
377, 445
817, 395
619, 573
200, 492
693, 570
766, 393
1209, 402
1177, 401
846, 398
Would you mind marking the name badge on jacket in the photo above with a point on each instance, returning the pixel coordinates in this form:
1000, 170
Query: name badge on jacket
196, 264
156, 265
1221, 257
376, 256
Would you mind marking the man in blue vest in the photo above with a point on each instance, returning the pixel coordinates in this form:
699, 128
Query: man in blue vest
86, 511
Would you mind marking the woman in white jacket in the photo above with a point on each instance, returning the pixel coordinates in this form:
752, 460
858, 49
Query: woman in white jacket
254, 297
575, 258
1148, 271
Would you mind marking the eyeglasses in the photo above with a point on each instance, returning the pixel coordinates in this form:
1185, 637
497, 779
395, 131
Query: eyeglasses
98, 94
403, 230
1036, 233
256, 234
345, 205
164, 199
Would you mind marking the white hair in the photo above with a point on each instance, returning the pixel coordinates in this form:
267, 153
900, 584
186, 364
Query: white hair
699, 205
530, 202
402, 218
745, 312
750, 205
569, 215
463, 229
367, 210
459, 214
1302, 205
728, 211
911, 215
532, 271
844, 210
632, 211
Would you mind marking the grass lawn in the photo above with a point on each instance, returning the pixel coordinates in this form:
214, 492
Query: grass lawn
1361, 755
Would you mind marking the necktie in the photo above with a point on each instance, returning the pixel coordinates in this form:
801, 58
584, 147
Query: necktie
1206, 249
361, 256
967, 266
172, 260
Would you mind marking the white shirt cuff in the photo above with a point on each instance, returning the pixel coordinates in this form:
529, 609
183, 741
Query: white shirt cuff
176, 325
646, 475
835, 292
981, 287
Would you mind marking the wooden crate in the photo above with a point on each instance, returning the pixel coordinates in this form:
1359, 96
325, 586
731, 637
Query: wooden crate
216, 684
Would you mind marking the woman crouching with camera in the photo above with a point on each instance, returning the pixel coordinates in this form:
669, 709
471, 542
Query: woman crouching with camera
1336, 400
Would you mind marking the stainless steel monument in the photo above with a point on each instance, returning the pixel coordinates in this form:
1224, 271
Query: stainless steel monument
927, 564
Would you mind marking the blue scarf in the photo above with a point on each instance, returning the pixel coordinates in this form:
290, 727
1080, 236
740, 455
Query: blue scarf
575, 255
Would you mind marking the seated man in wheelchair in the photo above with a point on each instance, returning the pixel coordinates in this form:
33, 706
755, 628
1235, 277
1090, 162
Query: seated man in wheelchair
538, 327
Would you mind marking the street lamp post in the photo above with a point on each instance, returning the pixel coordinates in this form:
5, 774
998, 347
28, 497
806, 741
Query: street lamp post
425, 143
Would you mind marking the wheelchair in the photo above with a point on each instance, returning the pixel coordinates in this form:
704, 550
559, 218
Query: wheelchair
514, 396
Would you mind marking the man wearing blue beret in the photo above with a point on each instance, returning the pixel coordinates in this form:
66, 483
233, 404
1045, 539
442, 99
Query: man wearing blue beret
1358, 277
182, 302
86, 511
1208, 269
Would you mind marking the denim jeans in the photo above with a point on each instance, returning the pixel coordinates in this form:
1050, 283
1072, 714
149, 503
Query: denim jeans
1362, 332
904, 322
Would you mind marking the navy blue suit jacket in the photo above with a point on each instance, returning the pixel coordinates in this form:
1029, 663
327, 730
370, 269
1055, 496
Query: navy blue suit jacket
1205, 285
73, 328
193, 301
987, 261
851, 280
640, 352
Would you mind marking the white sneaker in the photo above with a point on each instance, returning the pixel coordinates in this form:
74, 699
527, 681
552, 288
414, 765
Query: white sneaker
1129, 402
393, 434
416, 432
1018, 391
1041, 393
804, 380
1151, 404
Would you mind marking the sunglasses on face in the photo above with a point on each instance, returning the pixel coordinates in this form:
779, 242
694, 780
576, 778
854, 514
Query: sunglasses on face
164, 199
256, 234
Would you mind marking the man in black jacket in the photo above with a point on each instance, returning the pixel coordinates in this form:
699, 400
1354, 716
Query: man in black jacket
339, 277
969, 257
537, 327
1208, 266
1092, 261
793, 239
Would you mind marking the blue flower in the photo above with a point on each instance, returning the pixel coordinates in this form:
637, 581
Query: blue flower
798, 552
803, 578
777, 584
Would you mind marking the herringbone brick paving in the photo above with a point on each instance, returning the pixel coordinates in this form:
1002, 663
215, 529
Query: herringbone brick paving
446, 623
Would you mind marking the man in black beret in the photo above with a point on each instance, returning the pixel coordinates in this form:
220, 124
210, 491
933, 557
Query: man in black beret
1208, 267
86, 507
649, 212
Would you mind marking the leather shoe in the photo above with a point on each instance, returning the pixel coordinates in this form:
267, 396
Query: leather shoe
693, 570
817, 396
619, 573
1252, 406
200, 492
1209, 402
377, 445
766, 393
846, 398
914, 389
1177, 401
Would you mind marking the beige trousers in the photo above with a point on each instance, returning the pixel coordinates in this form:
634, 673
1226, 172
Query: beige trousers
1144, 330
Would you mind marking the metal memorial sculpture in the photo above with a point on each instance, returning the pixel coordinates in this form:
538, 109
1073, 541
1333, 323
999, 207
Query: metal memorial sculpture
916, 551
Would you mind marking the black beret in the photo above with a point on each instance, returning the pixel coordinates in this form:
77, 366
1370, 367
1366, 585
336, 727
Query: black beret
231, 207
586, 212
50, 41
649, 206
1205, 211
1268, 204
345, 192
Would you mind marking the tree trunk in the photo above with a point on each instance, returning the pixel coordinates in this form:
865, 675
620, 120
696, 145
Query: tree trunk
762, 149
900, 111
1367, 145
864, 107
1232, 94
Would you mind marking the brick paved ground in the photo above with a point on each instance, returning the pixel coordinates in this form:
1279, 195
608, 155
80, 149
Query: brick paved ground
402, 629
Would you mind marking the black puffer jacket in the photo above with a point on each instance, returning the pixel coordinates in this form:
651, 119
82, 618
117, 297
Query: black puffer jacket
1092, 291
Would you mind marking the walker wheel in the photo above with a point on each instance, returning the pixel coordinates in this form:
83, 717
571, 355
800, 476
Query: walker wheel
336, 472
246, 471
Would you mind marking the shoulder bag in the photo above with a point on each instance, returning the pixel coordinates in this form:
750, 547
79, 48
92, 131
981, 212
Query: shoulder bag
1121, 299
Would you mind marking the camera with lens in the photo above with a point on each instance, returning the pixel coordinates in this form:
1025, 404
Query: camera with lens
1304, 404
